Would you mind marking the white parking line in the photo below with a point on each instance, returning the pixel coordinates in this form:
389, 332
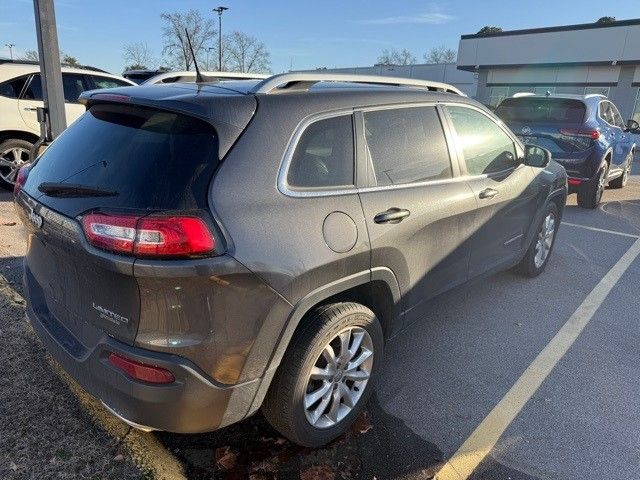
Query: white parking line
602, 230
486, 435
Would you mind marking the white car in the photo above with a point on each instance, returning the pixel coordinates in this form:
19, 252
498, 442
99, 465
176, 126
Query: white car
190, 77
21, 94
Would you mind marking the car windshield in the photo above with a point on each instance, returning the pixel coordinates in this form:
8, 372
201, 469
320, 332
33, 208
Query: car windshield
542, 110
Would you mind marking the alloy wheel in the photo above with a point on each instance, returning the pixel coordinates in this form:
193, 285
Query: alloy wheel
602, 181
545, 239
11, 160
338, 377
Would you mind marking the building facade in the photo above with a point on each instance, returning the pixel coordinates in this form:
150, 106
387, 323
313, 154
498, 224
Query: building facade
578, 59
438, 72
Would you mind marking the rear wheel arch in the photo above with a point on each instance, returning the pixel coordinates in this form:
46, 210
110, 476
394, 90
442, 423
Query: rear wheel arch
18, 135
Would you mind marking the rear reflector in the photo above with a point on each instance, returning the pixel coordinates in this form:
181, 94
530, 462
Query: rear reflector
574, 132
141, 371
21, 178
174, 236
574, 181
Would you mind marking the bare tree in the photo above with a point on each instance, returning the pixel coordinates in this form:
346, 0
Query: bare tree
137, 55
441, 54
248, 54
31, 55
201, 31
70, 61
396, 57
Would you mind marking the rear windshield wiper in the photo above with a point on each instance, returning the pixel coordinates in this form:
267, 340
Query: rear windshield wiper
68, 190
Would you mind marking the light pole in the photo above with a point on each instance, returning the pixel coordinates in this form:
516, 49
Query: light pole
10, 45
208, 50
220, 11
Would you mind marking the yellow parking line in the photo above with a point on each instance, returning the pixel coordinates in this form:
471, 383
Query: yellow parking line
486, 435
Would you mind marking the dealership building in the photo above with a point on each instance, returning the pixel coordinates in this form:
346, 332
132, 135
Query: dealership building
578, 59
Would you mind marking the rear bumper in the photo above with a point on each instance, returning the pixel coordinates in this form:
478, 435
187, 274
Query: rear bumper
191, 404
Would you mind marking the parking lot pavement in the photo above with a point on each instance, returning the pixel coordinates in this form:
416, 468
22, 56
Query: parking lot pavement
442, 377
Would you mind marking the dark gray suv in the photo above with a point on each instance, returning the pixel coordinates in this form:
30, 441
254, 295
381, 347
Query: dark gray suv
199, 251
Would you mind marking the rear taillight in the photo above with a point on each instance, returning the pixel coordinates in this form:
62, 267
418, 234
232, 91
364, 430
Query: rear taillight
21, 178
172, 236
141, 371
574, 181
576, 132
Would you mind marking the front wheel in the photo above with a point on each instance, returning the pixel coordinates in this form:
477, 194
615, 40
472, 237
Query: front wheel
537, 255
325, 378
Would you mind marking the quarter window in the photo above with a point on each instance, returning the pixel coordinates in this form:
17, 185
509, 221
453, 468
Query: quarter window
34, 89
324, 155
485, 146
406, 145
72, 86
106, 82
12, 88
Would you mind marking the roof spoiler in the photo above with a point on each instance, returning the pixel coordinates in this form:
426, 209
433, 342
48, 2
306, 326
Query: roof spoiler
302, 81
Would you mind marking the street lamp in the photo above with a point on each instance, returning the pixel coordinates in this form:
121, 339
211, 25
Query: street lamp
220, 11
208, 50
10, 45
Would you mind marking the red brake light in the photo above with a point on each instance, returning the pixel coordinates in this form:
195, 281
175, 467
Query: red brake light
21, 178
111, 97
149, 236
575, 132
574, 181
141, 371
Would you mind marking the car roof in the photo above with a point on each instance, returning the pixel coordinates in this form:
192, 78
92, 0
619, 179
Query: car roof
12, 70
189, 73
566, 96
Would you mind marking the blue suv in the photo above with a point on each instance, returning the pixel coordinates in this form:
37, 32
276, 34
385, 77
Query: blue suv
584, 133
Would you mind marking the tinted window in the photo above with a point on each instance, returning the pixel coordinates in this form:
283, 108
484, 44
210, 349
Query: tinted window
152, 159
34, 89
106, 82
12, 88
486, 147
616, 117
324, 155
406, 145
542, 110
72, 86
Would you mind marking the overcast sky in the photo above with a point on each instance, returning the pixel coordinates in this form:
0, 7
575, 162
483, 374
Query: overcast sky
299, 34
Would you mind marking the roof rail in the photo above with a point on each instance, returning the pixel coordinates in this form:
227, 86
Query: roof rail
302, 81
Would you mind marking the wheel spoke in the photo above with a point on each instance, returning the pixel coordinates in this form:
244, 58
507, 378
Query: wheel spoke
330, 356
6, 163
335, 404
322, 406
355, 344
345, 338
360, 359
356, 375
325, 373
313, 397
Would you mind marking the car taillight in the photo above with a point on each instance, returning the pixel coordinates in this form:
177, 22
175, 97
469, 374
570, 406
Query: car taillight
141, 371
574, 181
21, 178
171, 236
576, 132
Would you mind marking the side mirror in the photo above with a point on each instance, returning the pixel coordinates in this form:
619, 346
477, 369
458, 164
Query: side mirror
535, 156
633, 127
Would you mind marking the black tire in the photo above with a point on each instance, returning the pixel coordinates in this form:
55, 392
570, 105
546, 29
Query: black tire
284, 404
7, 147
622, 180
589, 196
528, 266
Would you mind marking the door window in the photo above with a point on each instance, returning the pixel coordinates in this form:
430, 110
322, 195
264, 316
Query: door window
34, 89
12, 88
72, 85
486, 147
324, 155
406, 145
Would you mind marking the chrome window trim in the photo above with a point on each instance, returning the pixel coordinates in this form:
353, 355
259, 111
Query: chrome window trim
282, 184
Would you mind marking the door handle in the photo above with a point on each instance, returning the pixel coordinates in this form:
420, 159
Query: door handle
30, 109
488, 193
393, 215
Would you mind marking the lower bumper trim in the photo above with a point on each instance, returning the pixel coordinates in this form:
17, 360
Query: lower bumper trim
135, 425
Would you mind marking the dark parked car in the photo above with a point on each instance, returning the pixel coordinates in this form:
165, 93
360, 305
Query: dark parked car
197, 252
584, 133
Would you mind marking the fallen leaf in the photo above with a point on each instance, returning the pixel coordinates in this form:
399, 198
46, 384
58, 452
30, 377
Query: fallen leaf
225, 458
362, 424
118, 458
13, 466
8, 224
318, 472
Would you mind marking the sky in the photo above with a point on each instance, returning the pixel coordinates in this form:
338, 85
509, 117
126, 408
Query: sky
298, 34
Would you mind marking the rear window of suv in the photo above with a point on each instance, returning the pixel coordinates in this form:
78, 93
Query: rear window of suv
541, 110
153, 159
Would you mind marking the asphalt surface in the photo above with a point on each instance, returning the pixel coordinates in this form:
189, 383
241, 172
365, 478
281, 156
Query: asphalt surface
442, 376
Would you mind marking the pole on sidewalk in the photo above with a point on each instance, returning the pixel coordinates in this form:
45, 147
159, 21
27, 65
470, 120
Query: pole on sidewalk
50, 72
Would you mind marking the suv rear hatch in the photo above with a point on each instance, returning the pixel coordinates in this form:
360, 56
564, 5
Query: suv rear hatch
556, 124
120, 162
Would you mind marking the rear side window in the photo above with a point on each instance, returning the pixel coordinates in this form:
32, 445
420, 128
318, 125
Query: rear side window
12, 88
106, 82
150, 158
486, 147
72, 85
323, 157
406, 145
541, 110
